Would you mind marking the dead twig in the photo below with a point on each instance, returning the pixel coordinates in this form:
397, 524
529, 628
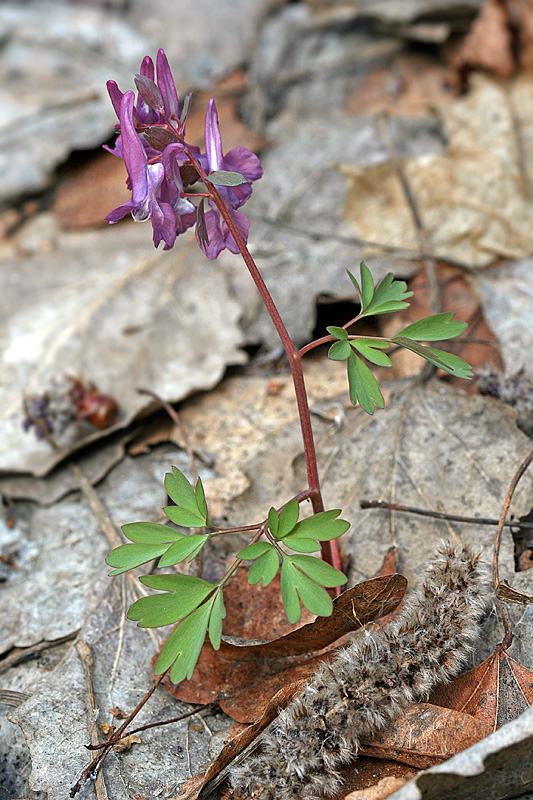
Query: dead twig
86, 657
508, 636
423, 512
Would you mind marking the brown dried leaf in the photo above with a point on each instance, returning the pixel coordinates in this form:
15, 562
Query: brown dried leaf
244, 677
126, 743
425, 735
495, 692
118, 713
385, 787
510, 595
489, 43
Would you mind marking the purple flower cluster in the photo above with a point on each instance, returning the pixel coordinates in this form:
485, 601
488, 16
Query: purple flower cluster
161, 165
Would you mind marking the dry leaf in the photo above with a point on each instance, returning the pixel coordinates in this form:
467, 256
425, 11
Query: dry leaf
380, 790
126, 743
118, 713
488, 44
474, 200
425, 735
495, 692
244, 677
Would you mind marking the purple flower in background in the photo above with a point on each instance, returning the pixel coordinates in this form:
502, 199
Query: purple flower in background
161, 165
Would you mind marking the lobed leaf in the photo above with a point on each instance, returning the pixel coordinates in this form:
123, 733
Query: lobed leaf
339, 351
322, 526
182, 516
289, 595
338, 333
182, 594
187, 546
129, 556
254, 550
319, 571
150, 532
288, 518
363, 386
370, 349
273, 522
265, 568
218, 613
434, 329
301, 544
389, 295
182, 648
446, 361
313, 596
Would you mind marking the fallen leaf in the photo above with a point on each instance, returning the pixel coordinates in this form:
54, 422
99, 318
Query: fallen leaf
118, 713
425, 735
495, 692
243, 677
380, 790
474, 200
488, 44
126, 743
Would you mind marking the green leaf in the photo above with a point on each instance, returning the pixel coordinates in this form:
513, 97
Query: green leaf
339, 351
357, 287
180, 490
313, 596
367, 285
182, 516
367, 348
223, 177
254, 550
273, 522
434, 329
322, 526
446, 361
319, 571
187, 512
200, 498
181, 595
338, 333
182, 648
179, 551
289, 595
301, 544
129, 556
218, 613
288, 518
390, 295
363, 386
265, 568
150, 533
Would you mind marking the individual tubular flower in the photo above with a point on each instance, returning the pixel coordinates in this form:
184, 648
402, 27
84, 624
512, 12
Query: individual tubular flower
238, 160
144, 180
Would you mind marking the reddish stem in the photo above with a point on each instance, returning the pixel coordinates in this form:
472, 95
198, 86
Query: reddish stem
329, 550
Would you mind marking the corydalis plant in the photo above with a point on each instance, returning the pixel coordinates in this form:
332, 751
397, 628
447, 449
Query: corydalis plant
162, 169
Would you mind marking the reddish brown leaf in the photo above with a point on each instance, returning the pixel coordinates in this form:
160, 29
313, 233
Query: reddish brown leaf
495, 692
425, 735
488, 44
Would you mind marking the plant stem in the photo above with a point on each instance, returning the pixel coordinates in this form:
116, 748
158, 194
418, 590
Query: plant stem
329, 550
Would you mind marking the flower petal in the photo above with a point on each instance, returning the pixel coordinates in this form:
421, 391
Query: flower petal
213, 142
165, 81
134, 153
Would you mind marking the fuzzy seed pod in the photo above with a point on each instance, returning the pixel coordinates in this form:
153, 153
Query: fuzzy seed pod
368, 684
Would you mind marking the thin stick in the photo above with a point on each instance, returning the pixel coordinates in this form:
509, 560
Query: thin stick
508, 636
157, 724
86, 657
422, 512
174, 416
428, 260
92, 770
